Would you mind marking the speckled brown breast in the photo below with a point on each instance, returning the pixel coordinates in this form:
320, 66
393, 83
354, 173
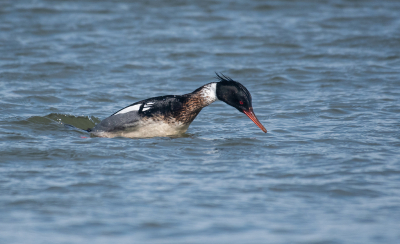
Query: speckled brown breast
191, 108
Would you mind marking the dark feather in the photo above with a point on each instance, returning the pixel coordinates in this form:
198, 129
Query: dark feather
222, 77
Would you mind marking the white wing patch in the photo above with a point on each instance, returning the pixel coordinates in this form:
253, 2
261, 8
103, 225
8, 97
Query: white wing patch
130, 109
147, 106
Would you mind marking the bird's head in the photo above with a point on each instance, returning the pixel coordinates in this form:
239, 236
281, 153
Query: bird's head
235, 94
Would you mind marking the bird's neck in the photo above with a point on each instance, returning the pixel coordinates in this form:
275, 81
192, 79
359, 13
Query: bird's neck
205, 95
196, 101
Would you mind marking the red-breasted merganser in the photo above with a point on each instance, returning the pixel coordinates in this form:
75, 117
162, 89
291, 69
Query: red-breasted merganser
171, 115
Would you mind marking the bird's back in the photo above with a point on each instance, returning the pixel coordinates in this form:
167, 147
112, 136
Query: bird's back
158, 116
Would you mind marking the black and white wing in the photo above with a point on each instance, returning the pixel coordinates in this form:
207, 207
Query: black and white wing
130, 116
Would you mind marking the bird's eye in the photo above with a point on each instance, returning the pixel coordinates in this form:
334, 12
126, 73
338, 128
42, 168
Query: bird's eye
241, 103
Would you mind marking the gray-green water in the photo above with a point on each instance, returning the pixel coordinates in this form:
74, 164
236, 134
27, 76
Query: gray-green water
325, 81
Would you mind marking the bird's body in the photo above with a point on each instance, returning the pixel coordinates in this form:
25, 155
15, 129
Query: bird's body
171, 115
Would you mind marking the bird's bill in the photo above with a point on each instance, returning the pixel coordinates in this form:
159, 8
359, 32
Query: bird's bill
252, 116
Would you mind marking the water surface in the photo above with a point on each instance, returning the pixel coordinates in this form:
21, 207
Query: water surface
324, 77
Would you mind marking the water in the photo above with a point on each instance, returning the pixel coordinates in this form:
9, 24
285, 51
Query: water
324, 76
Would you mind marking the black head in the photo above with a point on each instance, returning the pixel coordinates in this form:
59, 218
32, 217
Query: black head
235, 94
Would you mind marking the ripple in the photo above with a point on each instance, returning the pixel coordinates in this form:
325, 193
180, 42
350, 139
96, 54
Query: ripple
324, 81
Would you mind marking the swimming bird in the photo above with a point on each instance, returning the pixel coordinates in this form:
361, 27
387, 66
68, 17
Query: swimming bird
171, 115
